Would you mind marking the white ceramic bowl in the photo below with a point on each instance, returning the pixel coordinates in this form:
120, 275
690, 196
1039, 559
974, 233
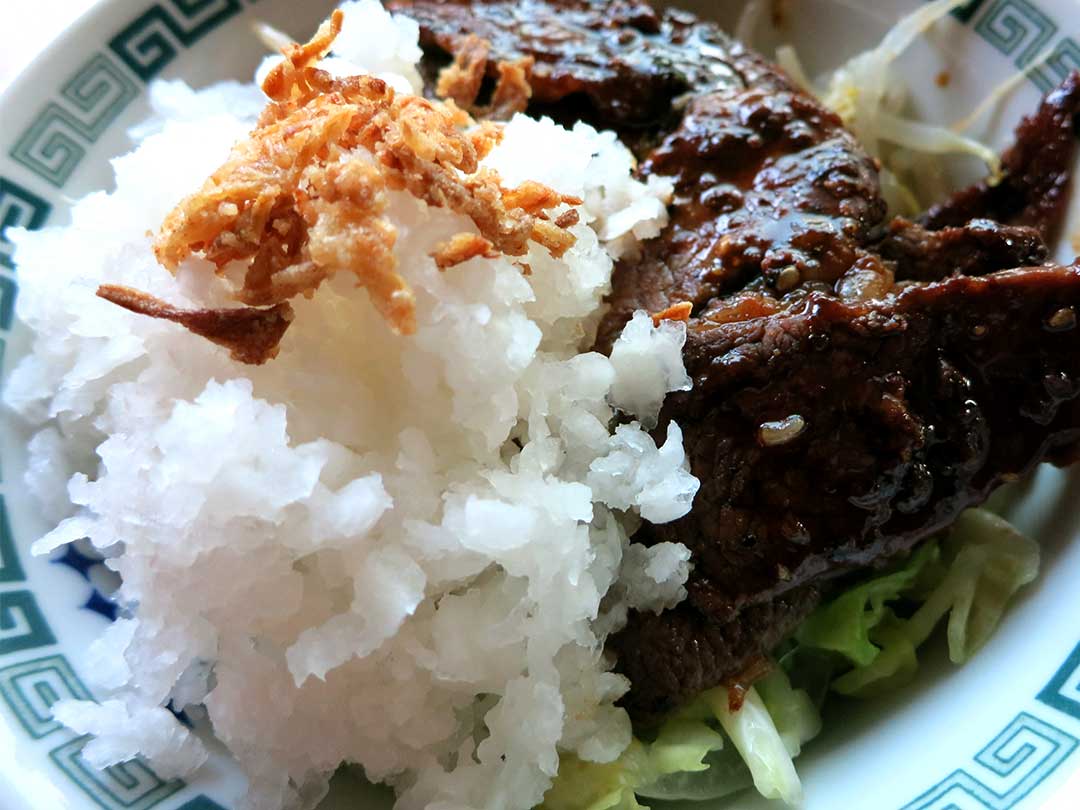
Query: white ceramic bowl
1001, 733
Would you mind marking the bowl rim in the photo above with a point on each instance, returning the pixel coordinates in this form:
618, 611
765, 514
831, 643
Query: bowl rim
70, 39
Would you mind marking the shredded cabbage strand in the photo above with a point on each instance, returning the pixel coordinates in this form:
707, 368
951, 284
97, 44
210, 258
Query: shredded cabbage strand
680, 747
689, 759
864, 87
870, 99
862, 643
970, 577
760, 744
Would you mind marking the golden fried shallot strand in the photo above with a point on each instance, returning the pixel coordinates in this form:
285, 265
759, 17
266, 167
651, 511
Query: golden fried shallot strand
512, 90
251, 335
462, 247
304, 197
676, 312
461, 80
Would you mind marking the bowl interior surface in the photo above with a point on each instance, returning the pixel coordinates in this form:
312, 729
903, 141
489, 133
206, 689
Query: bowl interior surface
1001, 732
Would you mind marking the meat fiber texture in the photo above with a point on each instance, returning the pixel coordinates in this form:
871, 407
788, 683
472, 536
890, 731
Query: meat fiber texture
399, 552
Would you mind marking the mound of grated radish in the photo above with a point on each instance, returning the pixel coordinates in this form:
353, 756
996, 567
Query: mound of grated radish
404, 553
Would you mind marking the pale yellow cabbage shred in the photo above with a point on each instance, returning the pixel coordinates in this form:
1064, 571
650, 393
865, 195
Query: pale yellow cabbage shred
870, 99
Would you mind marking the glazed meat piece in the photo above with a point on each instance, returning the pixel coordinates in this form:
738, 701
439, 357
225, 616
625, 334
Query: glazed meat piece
833, 436
1037, 171
979, 247
837, 418
907, 403
621, 62
672, 656
769, 188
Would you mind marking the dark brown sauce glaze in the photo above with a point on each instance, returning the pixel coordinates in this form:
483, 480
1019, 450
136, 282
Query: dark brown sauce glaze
626, 60
917, 400
910, 410
920, 375
1037, 171
981, 246
769, 189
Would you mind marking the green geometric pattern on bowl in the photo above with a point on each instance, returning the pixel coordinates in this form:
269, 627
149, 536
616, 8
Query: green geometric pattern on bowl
22, 626
201, 803
19, 208
1063, 690
55, 142
10, 568
33, 687
1012, 765
1021, 31
154, 38
128, 786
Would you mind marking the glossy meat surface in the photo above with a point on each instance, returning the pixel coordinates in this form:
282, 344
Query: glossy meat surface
623, 59
981, 246
892, 443
857, 383
1037, 171
769, 188
907, 411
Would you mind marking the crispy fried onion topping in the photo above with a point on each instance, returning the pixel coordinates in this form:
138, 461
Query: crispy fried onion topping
461, 80
462, 247
676, 312
251, 335
305, 197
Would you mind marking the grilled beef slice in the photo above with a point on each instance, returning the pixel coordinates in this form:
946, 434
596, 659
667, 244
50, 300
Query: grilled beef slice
1036, 171
977, 248
618, 64
770, 192
837, 417
834, 435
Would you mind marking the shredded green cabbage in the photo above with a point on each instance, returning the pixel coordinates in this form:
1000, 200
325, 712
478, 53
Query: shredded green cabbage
726, 773
933, 140
969, 577
864, 87
680, 746
583, 785
863, 643
793, 711
845, 624
760, 744
1002, 90
688, 758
